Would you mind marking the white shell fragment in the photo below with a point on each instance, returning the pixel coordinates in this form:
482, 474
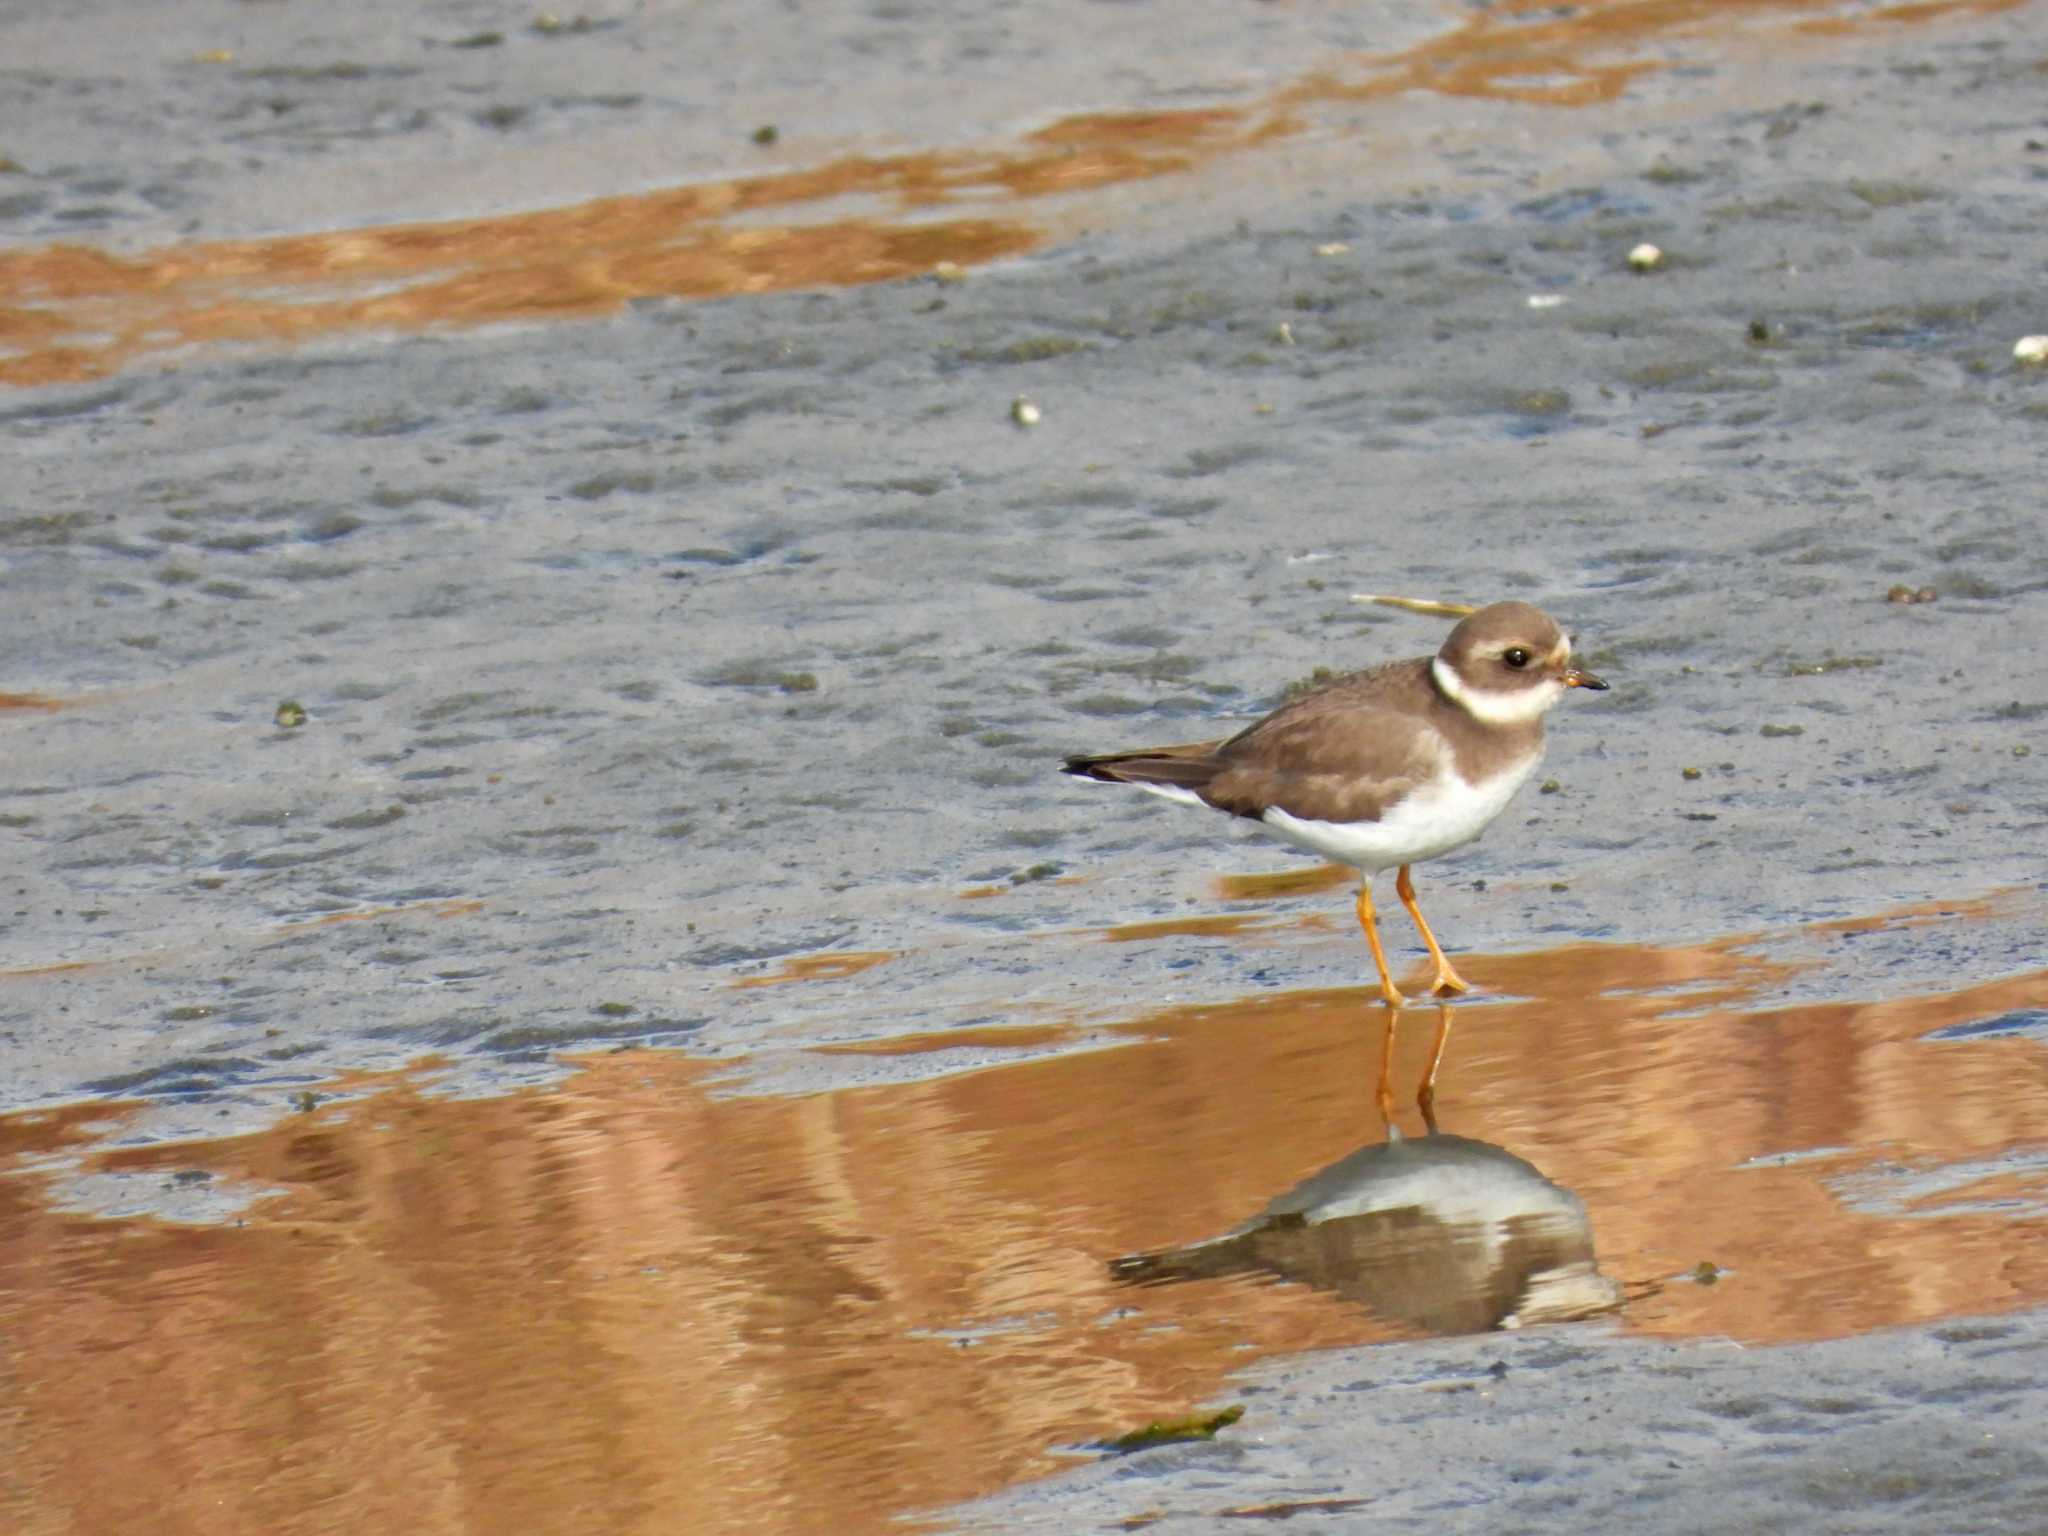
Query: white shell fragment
1333, 248
1024, 412
1646, 258
1545, 300
2031, 349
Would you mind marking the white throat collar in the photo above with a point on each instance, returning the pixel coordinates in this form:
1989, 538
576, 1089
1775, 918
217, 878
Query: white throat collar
1490, 708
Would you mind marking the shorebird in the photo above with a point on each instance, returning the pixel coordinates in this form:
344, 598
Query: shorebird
1384, 768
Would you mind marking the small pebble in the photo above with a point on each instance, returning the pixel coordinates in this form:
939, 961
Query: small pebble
1545, 300
1024, 412
950, 272
1901, 593
1645, 258
291, 714
1549, 787
2031, 349
1689, 773
1333, 248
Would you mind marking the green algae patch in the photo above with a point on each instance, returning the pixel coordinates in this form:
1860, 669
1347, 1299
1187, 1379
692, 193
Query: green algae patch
1194, 1426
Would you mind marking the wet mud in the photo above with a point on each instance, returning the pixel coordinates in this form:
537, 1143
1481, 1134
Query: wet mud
76, 313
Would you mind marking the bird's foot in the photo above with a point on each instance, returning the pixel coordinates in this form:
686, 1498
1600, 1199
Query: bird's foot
1393, 995
1448, 984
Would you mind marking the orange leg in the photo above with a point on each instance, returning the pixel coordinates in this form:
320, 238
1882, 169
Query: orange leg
1447, 980
1385, 1095
1370, 924
1425, 1096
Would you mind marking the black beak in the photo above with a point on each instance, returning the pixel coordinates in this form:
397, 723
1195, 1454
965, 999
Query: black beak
1574, 678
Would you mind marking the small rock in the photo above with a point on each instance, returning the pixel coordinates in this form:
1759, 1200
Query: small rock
1024, 412
2031, 349
1645, 258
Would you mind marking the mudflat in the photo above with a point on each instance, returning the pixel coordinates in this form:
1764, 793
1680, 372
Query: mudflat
523, 541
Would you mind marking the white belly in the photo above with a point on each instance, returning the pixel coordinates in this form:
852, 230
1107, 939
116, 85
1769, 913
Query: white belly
1447, 813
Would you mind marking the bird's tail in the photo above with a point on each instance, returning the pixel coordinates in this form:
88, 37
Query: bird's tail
1188, 767
1209, 1259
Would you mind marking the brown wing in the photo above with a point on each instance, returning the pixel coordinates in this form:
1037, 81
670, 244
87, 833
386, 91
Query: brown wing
1345, 752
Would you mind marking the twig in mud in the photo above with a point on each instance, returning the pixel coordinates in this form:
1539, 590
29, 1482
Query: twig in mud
1427, 605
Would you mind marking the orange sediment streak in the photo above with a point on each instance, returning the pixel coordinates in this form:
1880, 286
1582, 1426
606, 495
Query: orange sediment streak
559, 265
1286, 882
1537, 53
1216, 925
453, 907
834, 965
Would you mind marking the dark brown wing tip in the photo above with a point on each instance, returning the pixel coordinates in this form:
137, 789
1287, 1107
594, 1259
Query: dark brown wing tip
1190, 767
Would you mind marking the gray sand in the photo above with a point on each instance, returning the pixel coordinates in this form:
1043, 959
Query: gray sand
640, 654
1565, 1429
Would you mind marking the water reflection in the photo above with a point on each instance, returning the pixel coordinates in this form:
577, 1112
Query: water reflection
632, 1292
1441, 1233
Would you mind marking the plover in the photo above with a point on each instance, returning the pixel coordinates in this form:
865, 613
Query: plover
1387, 767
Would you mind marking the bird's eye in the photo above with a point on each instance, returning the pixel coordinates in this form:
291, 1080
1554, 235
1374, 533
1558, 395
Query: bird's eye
1515, 657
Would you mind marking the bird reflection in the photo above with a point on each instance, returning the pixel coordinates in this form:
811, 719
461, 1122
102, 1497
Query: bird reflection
1446, 1234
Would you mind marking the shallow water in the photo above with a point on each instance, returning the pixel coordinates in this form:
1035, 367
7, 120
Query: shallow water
652, 641
635, 1291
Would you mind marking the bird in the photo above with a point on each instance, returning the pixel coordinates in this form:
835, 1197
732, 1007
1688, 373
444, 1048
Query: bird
1384, 768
